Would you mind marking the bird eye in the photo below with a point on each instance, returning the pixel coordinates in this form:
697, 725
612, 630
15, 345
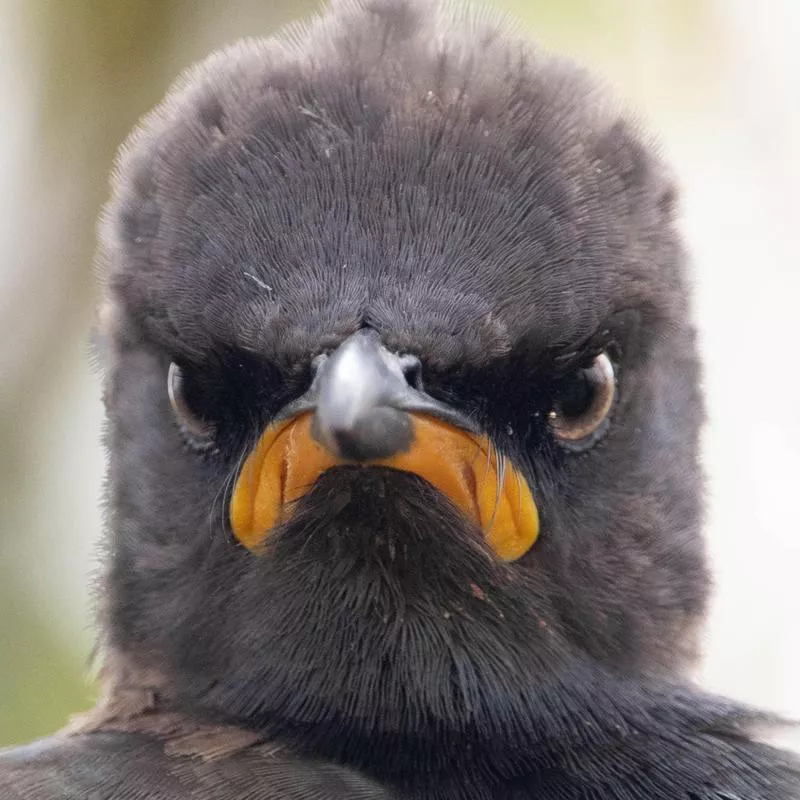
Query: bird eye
582, 404
200, 431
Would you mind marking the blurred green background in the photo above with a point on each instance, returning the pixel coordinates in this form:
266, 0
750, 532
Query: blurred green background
718, 80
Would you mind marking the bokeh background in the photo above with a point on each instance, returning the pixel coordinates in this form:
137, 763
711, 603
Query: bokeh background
719, 80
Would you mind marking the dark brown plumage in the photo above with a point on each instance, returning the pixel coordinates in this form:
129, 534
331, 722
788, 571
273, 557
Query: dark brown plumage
489, 240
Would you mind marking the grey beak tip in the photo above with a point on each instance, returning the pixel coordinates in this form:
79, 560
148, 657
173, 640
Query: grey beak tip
382, 434
363, 403
360, 388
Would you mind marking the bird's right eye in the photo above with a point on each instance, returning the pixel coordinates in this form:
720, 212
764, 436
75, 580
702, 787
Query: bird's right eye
583, 403
199, 431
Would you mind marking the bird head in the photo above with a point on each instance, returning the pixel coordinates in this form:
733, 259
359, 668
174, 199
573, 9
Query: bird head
402, 394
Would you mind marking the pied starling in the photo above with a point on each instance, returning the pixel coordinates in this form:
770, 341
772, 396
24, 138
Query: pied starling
404, 499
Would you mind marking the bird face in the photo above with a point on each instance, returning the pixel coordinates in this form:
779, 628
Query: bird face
402, 394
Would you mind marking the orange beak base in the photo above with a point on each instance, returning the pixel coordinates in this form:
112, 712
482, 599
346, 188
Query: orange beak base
287, 461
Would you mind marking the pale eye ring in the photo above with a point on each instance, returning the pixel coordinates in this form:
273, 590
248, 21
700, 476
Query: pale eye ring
582, 407
200, 431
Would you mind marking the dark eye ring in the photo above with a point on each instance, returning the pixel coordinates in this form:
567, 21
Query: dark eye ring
583, 403
200, 431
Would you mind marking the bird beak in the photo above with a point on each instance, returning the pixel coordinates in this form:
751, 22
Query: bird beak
362, 410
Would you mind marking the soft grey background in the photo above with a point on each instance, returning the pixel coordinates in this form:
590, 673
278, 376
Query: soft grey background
718, 79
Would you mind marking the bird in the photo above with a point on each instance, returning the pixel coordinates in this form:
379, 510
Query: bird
404, 498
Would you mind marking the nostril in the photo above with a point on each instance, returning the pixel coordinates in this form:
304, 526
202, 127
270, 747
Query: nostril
412, 371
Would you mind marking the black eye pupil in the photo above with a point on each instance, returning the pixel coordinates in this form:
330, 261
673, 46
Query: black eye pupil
575, 395
191, 421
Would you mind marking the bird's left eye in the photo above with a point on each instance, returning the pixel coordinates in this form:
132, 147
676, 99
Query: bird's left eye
582, 404
199, 431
